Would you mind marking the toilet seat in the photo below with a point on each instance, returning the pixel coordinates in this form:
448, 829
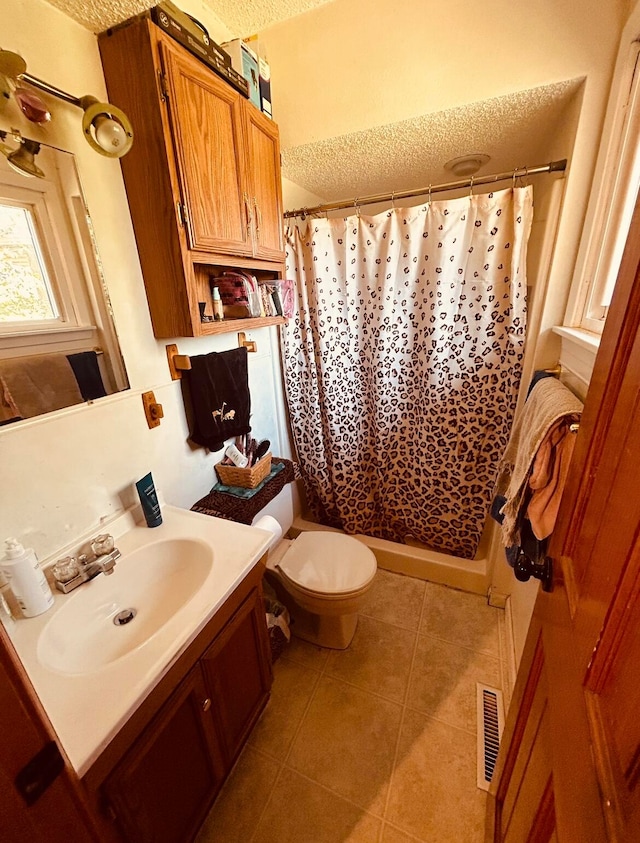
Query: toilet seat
328, 564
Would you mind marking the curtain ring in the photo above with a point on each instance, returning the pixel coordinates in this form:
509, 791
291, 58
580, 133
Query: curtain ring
356, 206
393, 203
513, 180
471, 188
429, 197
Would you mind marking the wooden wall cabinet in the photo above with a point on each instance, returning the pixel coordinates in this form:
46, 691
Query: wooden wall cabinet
203, 177
157, 780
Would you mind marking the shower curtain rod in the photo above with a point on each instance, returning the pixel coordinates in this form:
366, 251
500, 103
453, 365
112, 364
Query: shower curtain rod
552, 167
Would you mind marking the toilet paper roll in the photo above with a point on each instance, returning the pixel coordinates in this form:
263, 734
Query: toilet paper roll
268, 523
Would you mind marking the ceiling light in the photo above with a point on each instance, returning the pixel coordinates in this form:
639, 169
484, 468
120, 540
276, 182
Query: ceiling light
106, 128
467, 165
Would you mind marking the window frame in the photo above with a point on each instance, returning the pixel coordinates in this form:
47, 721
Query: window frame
76, 322
614, 191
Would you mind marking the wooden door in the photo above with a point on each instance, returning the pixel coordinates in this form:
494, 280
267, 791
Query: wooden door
162, 789
58, 813
265, 184
237, 670
569, 766
209, 145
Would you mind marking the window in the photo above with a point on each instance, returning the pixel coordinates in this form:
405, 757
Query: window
43, 292
613, 203
26, 293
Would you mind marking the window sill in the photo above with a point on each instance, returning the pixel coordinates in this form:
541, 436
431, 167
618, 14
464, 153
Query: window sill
577, 357
55, 339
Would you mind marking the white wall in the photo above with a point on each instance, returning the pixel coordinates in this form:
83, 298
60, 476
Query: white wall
63, 473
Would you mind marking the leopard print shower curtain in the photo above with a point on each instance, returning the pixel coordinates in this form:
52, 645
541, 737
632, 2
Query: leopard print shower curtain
402, 363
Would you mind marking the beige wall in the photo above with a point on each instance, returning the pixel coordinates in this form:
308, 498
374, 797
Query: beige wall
62, 474
346, 66
353, 64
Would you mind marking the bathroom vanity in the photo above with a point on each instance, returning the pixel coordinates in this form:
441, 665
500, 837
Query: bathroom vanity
153, 724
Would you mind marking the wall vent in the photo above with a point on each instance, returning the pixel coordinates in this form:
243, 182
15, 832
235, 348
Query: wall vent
490, 726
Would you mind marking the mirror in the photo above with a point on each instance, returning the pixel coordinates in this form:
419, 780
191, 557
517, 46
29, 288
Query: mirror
58, 344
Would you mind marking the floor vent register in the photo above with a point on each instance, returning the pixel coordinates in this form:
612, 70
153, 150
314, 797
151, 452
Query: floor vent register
490, 726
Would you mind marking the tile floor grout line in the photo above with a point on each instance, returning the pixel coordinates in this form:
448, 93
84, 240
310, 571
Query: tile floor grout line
302, 718
282, 761
460, 646
266, 804
403, 714
333, 792
389, 623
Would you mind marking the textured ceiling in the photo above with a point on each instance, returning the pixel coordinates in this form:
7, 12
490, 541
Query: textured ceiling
245, 18
514, 130
242, 17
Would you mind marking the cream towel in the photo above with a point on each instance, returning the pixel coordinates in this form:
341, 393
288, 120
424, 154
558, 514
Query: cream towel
548, 401
40, 384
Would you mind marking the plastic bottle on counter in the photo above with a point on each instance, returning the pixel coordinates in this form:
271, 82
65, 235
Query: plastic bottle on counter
27, 581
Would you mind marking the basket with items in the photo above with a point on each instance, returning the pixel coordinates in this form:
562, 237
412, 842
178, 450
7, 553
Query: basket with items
245, 464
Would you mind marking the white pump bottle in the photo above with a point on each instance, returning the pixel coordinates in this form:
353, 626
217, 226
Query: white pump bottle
27, 581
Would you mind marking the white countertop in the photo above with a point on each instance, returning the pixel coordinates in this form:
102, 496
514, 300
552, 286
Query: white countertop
88, 710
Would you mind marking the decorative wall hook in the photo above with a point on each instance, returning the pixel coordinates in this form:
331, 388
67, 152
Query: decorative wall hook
178, 363
250, 345
152, 410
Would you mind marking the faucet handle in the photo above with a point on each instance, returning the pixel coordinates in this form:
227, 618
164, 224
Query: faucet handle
102, 544
65, 569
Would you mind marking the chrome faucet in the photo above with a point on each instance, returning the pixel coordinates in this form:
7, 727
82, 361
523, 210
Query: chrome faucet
99, 558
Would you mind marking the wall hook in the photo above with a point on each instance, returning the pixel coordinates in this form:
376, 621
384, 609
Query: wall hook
250, 345
178, 363
152, 410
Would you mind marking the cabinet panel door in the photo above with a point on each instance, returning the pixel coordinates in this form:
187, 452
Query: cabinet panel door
237, 669
207, 128
265, 184
165, 784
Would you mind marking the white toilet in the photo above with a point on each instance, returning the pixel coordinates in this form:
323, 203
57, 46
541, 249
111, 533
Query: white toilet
322, 577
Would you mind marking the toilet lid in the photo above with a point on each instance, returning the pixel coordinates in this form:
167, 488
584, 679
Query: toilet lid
329, 563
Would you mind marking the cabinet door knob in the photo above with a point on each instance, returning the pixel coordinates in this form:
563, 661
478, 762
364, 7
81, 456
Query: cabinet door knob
206, 705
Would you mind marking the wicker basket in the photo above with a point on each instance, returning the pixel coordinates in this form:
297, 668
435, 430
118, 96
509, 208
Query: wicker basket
246, 478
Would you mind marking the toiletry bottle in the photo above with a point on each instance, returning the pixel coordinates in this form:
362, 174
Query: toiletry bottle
149, 500
236, 456
27, 581
218, 310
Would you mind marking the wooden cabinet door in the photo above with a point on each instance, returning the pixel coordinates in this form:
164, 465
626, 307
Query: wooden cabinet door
569, 766
265, 184
162, 789
209, 145
237, 669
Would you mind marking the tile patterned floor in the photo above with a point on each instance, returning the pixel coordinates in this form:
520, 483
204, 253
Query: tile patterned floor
375, 744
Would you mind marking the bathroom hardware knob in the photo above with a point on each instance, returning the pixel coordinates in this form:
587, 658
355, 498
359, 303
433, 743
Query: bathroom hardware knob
206, 705
102, 544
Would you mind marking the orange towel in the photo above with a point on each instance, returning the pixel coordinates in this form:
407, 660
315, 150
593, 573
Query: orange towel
548, 477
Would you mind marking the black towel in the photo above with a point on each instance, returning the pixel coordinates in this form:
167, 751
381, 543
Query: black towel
87, 371
219, 386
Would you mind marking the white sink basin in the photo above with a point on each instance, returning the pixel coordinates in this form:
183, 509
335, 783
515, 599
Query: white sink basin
155, 580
